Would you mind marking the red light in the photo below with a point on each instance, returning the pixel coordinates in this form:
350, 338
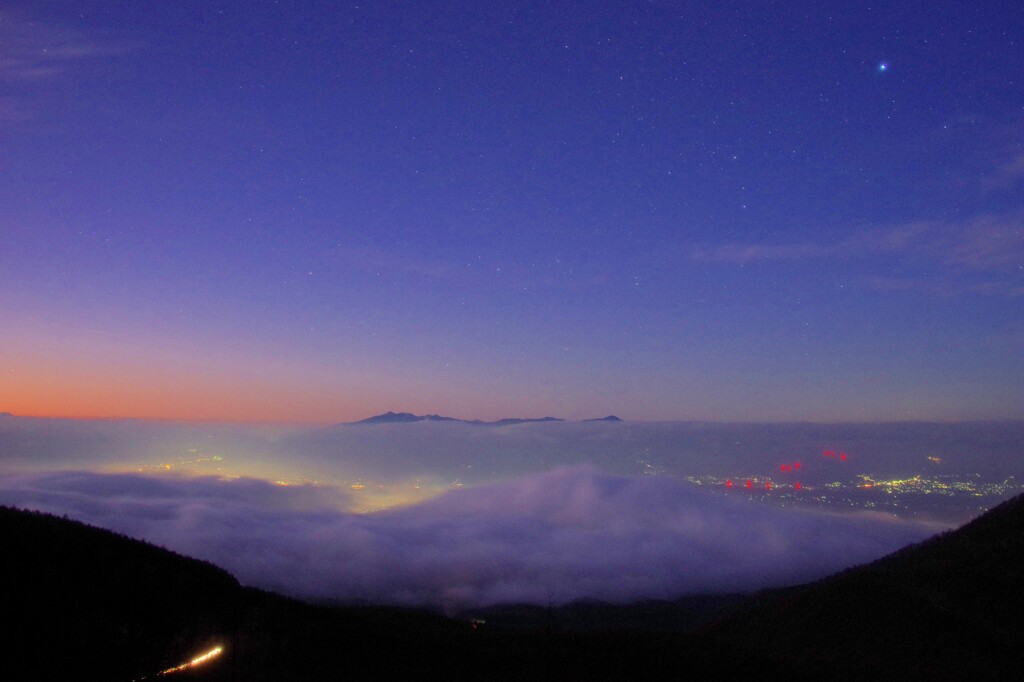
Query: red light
768, 485
830, 453
728, 484
798, 485
783, 467
748, 483
843, 457
797, 465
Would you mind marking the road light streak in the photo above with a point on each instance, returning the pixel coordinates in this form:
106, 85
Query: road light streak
197, 661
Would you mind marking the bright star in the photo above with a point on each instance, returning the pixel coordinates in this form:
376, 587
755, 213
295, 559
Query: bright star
883, 67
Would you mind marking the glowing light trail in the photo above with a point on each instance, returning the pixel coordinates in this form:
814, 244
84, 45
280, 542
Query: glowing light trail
197, 661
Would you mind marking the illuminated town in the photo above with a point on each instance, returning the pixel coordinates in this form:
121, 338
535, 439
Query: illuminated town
830, 481
941, 496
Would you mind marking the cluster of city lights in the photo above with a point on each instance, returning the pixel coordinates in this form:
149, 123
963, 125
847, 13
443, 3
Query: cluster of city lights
786, 468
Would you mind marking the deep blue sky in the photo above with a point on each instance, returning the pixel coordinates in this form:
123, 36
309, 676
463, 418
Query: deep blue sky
318, 211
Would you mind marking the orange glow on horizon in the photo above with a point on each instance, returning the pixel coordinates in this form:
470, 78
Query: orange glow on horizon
80, 374
75, 391
89, 382
161, 407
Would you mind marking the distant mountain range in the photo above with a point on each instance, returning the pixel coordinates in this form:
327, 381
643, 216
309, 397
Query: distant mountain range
408, 418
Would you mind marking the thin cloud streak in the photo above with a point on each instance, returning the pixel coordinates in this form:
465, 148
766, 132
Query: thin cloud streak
1008, 173
986, 245
33, 51
742, 254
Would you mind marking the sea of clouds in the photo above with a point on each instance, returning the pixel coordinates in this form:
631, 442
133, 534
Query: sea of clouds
556, 536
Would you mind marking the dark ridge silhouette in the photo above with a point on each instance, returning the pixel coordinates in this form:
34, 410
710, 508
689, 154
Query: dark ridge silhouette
82, 598
609, 418
85, 603
404, 418
407, 418
951, 607
509, 422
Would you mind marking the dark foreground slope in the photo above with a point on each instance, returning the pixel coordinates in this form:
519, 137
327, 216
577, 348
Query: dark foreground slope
79, 599
948, 608
84, 603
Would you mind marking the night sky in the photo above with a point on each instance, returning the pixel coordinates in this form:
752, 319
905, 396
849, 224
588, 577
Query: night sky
318, 211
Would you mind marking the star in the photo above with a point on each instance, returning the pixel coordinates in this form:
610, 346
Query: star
883, 67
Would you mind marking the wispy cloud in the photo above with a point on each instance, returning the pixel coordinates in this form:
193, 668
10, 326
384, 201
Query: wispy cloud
982, 244
1007, 150
1007, 174
33, 51
988, 246
566, 534
889, 283
742, 254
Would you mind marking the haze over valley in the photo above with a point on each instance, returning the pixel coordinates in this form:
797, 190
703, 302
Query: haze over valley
448, 513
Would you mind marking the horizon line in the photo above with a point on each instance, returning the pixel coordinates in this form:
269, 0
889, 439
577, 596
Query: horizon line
551, 420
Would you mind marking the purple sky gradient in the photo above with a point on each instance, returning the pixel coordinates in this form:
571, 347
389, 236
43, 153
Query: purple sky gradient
313, 212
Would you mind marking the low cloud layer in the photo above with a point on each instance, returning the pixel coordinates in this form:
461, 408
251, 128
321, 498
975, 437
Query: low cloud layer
567, 534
